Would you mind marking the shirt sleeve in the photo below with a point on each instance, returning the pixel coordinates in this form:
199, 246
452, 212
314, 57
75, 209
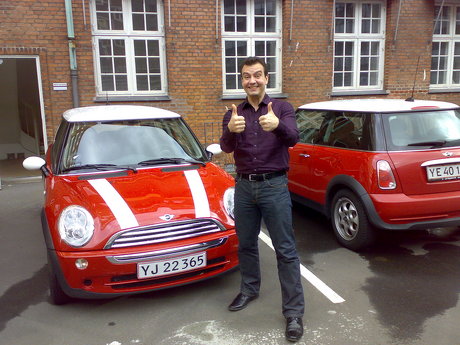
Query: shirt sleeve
228, 139
287, 130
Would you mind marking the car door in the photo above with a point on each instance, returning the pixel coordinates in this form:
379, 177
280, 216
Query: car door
312, 126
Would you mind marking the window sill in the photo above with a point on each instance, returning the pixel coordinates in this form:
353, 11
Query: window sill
243, 96
359, 93
100, 99
446, 90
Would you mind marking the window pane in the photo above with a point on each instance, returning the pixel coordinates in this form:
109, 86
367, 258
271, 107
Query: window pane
241, 6
103, 21
115, 6
139, 48
241, 24
137, 5
106, 65
456, 77
230, 48
229, 23
151, 5
118, 47
153, 48
271, 48
229, 7
138, 22
260, 48
142, 83
107, 83
259, 7
230, 82
105, 47
155, 82
230, 66
152, 22
141, 65
121, 82
242, 48
102, 5
120, 65
116, 21
154, 65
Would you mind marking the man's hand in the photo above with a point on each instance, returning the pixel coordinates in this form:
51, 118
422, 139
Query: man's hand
237, 123
269, 121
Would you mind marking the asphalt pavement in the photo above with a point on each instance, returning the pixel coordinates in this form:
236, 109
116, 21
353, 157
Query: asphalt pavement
403, 292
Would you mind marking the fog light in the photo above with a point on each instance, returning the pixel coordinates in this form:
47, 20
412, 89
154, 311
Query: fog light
81, 264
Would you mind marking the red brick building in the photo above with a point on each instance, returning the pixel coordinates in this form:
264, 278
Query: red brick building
182, 55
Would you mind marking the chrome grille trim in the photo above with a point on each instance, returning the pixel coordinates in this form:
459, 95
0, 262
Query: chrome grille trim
166, 253
164, 232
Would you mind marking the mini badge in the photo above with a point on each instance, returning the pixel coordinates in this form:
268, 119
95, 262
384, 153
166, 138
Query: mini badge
167, 217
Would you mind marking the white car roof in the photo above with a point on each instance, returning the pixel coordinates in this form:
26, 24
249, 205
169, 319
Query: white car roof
116, 112
378, 105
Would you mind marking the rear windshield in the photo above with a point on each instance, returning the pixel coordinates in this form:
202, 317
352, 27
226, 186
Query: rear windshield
422, 130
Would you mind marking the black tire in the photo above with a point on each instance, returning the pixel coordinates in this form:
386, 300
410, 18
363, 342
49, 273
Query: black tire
57, 294
350, 222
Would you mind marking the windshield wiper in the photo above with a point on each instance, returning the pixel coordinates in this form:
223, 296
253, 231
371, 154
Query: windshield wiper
177, 160
101, 167
432, 143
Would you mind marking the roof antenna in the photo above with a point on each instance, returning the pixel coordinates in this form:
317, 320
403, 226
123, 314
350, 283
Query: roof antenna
411, 98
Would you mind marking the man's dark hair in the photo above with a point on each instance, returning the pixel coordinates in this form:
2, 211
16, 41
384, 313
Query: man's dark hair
252, 61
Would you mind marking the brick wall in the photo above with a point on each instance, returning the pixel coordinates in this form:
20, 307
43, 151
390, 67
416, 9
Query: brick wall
193, 48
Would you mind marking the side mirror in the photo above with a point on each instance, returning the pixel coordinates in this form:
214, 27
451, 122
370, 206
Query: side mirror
35, 163
213, 149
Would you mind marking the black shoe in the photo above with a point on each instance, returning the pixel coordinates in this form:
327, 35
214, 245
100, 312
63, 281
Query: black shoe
240, 302
294, 328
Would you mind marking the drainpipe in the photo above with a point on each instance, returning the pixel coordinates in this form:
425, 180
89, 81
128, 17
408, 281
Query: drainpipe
72, 53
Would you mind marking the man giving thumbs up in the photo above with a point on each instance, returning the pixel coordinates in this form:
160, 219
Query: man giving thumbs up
259, 132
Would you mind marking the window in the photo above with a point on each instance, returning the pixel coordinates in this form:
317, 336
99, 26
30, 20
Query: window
128, 38
251, 28
338, 129
445, 56
359, 40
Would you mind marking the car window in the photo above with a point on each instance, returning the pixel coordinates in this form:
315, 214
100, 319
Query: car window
415, 130
338, 129
129, 142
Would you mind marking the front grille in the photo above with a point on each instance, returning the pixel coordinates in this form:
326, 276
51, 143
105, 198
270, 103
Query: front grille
163, 233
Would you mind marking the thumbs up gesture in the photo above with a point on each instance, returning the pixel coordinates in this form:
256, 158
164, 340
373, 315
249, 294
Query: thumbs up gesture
269, 121
237, 123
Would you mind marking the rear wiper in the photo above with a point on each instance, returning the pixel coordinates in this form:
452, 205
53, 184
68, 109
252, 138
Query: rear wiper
432, 143
178, 160
102, 167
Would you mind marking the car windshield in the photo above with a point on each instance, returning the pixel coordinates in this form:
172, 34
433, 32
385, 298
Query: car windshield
421, 130
127, 144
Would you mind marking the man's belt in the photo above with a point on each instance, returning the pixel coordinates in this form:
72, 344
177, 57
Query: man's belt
262, 177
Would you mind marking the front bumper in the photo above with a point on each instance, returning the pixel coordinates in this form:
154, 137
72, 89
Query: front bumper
112, 273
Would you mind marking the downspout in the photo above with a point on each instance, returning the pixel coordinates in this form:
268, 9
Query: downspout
72, 53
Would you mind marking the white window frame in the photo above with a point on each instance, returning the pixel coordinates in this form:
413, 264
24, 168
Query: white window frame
357, 38
451, 39
251, 37
129, 35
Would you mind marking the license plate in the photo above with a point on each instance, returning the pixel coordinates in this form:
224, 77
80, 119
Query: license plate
443, 172
171, 266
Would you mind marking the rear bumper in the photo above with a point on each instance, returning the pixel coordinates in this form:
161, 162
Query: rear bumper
106, 278
419, 212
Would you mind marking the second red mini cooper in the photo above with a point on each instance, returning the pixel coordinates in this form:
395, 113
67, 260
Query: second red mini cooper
132, 204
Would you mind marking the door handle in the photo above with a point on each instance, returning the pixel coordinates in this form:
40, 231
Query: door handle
305, 155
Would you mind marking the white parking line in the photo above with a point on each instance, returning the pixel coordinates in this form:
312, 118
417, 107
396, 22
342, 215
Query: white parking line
314, 280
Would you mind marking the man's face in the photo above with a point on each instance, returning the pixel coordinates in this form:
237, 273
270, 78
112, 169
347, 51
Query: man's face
254, 80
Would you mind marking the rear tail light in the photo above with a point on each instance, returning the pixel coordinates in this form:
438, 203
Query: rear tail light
385, 176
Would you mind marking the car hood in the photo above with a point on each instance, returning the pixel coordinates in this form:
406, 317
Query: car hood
125, 200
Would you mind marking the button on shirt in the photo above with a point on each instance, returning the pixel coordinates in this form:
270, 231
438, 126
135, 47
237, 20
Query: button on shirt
255, 150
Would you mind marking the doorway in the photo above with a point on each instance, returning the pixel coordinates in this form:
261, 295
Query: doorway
22, 132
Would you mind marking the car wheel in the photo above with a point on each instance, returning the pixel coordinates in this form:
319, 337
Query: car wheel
57, 294
350, 223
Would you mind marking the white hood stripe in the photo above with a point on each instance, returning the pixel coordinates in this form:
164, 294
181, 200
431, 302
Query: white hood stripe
115, 202
200, 198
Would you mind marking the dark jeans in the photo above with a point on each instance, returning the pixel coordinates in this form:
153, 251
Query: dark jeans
268, 200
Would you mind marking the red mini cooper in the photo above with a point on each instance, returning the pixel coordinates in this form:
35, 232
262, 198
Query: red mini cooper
373, 164
132, 204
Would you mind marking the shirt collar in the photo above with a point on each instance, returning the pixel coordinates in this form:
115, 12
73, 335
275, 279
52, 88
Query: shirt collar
265, 101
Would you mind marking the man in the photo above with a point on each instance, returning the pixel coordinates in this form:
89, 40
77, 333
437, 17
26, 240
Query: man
259, 132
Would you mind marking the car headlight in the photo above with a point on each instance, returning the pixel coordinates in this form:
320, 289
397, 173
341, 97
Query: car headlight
229, 201
76, 226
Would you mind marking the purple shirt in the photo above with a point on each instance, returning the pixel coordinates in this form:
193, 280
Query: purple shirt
255, 150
